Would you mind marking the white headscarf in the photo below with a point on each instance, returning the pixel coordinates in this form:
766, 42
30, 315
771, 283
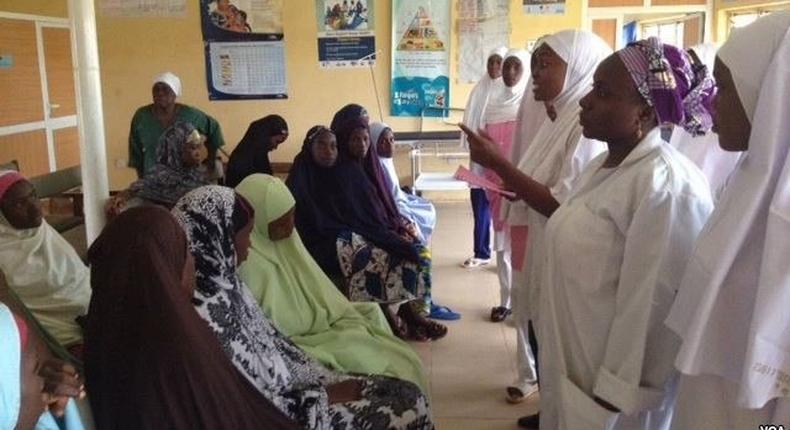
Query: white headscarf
582, 51
171, 80
11, 382
555, 140
388, 163
732, 307
478, 99
48, 276
747, 59
10, 368
504, 102
706, 52
716, 163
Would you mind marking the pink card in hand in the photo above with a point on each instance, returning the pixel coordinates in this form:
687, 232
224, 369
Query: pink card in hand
464, 174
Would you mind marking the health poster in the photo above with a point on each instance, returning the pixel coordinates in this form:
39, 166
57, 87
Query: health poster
420, 58
483, 25
346, 37
144, 8
544, 7
244, 49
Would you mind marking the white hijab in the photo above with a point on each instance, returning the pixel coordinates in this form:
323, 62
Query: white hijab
478, 99
388, 163
10, 370
504, 102
732, 307
706, 52
582, 51
48, 276
716, 163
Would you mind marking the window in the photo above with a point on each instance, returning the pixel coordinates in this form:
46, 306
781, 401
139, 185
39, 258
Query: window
743, 18
670, 32
738, 20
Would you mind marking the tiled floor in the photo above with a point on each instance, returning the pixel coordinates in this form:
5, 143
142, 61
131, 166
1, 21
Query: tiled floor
470, 368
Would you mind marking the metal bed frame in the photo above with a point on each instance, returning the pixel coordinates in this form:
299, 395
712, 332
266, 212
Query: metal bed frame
435, 144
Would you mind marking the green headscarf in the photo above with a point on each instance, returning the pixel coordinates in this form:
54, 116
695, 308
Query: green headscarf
306, 306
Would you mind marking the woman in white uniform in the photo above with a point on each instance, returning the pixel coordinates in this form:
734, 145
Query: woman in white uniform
732, 308
615, 248
548, 146
704, 150
499, 121
473, 115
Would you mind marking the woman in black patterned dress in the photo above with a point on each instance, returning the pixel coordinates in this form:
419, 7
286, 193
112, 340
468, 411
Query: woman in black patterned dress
218, 222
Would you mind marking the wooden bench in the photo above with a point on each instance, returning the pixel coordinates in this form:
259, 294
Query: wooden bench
11, 165
57, 185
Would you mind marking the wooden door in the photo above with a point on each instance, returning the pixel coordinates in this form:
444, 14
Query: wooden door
38, 113
62, 103
607, 30
693, 29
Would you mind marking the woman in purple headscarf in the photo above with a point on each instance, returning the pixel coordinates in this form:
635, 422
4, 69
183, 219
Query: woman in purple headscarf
351, 235
615, 249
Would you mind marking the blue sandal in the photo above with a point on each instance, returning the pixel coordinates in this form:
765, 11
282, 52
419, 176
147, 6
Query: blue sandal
443, 313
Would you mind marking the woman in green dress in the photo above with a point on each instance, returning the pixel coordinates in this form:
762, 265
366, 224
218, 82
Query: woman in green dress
304, 304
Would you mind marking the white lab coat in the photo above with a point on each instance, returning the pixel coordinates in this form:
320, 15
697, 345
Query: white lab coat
614, 255
732, 308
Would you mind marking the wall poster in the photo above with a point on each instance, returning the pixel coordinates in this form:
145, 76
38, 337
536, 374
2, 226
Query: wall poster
483, 25
346, 36
144, 8
544, 7
420, 57
244, 49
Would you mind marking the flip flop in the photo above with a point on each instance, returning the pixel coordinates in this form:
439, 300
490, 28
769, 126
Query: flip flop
443, 313
499, 313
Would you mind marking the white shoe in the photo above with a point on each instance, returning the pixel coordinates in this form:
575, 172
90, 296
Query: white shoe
473, 262
517, 393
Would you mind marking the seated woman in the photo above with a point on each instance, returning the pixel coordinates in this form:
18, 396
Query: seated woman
252, 153
218, 223
151, 361
36, 390
177, 171
416, 209
616, 247
350, 125
303, 303
344, 228
42, 270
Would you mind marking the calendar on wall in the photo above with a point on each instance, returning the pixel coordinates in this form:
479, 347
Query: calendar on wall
244, 49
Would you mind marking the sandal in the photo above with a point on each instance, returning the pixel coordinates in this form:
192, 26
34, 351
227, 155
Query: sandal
435, 330
443, 313
499, 313
474, 262
421, 329
397, 324
419, 334
517, 394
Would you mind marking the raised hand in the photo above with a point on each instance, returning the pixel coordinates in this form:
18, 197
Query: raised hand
482, 148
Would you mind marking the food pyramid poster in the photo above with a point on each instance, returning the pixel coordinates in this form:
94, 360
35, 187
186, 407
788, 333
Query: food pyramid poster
420, 58
421, 35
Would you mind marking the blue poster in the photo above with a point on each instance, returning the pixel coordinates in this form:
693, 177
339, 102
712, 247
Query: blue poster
346, 36
420, 58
